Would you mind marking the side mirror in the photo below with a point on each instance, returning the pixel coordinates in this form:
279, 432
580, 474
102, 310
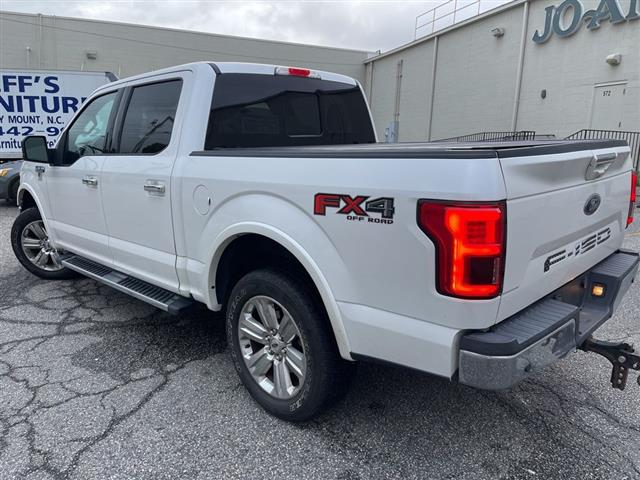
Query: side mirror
34, 149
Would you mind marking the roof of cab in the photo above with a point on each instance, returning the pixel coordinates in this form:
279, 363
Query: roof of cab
227, 67
266, 69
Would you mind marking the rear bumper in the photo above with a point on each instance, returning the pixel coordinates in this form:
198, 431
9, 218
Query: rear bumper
547, 330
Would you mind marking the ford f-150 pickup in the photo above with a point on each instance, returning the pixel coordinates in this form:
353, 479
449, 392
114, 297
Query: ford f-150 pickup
261, 191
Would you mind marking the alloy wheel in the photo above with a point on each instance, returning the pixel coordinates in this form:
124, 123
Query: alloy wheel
35, 245
271, 347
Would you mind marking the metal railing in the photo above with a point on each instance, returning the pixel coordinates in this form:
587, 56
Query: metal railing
632, 138
492, 137
450, 12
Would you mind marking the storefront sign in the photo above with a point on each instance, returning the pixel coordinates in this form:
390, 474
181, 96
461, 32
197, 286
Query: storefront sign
565, 19
40, 103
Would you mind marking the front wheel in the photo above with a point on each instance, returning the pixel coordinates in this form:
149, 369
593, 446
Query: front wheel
282, 346
30, 243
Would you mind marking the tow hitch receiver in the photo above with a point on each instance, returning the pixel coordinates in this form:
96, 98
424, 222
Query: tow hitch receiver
621, 356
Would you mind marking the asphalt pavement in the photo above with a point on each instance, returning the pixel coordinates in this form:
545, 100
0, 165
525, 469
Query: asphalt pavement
95, 384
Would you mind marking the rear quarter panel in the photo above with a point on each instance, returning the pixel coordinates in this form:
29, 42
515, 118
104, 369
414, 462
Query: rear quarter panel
388, 267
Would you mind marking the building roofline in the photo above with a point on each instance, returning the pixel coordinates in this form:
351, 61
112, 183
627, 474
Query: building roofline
180, 30
438, 33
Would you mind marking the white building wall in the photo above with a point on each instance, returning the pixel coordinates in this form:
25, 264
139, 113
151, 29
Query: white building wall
36, 41
476, 76
568, 69
415, 90
382, 96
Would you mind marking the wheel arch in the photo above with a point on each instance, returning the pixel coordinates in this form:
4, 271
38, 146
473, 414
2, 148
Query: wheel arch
236, 233
14, 181
27, 198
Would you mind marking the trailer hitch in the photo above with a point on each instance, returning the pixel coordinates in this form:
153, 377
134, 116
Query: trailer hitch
621, 356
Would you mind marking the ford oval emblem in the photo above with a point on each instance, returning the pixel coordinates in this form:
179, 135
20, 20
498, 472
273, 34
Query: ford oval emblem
593, 202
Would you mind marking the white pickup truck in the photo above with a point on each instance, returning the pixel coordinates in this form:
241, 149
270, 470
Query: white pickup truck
261, 191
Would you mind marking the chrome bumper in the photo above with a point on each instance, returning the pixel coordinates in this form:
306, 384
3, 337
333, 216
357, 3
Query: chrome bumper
547, 330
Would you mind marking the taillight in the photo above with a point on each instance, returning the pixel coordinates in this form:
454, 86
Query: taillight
297, 72
470, 246
632, 198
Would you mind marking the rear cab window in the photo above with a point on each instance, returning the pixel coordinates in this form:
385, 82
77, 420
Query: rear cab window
254, 110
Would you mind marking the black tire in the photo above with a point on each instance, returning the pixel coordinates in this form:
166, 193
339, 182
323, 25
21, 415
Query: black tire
327, 375
25, 218
13, 192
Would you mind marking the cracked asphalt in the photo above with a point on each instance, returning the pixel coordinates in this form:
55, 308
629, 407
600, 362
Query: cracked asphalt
94, 384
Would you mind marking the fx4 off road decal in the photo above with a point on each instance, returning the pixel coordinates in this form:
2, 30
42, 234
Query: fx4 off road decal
358, 208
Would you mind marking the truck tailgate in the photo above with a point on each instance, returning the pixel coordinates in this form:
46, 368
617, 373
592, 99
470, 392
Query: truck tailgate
561, 220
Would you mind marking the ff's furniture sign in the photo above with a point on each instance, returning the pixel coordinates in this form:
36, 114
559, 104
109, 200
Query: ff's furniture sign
41, 103
565, 19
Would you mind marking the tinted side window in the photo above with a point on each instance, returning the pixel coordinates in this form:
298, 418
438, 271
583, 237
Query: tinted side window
88, 133
251, 110
149, 119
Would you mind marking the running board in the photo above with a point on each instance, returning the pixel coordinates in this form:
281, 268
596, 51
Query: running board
156, 296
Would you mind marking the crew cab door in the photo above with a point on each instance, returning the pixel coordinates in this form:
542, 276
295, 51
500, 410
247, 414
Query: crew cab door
74, 183
136, 180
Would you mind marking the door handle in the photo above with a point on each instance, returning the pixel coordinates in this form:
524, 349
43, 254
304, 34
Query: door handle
154, 186
90, 181
599, 164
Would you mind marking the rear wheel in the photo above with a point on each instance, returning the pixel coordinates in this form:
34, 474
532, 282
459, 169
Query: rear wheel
282, 346
30, 243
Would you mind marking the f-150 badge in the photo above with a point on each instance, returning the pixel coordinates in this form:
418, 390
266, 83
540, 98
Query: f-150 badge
358, 208
584, 246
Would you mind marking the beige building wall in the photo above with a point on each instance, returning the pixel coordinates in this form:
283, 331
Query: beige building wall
52, 42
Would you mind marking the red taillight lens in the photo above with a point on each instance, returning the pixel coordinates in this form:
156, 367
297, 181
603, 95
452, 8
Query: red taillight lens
470, 246
632, 198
